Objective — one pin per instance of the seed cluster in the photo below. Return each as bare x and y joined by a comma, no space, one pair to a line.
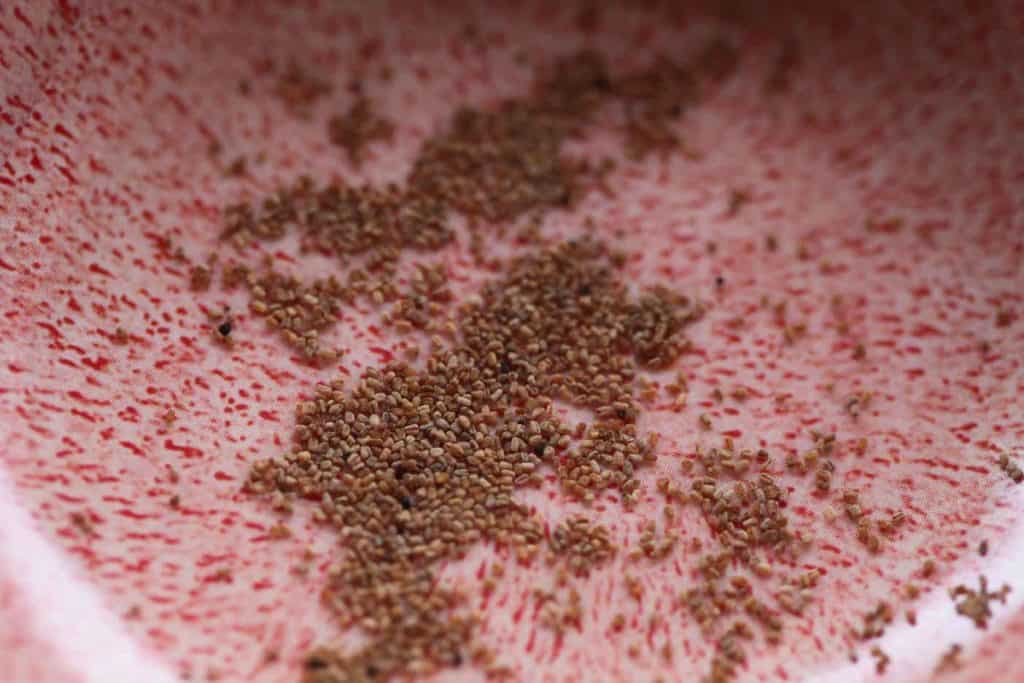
651,546
655,98
299,312
298,88
976,605
492,166
749,524
582,545
875,621
882,660
557,616
357,128
342,221
423,306
414,466
746,515
745,509
1010,468
199,278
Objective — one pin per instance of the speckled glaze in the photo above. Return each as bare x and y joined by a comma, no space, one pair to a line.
895,158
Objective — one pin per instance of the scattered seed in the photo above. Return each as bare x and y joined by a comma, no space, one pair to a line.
976,604
950,660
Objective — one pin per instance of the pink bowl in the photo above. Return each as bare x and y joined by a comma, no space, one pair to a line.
890,172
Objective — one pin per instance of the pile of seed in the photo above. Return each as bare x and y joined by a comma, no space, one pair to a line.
415,466
412,467
297,88
422,307
298,311
746,515
748,523
498,165
976,605
342,221
582,545
492,166
1010,468
489,165
654,98
357,128
558,617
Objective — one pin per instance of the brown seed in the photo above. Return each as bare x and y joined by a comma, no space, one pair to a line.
950,660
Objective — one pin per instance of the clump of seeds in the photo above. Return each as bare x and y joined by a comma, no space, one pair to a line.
299,88
976,605
413,467
357,128
492,166
582,545
1010,468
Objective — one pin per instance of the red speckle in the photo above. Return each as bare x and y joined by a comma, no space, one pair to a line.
20,16
131,514
186,451
68,12
133,448
532,640
68,498
99,364
208,559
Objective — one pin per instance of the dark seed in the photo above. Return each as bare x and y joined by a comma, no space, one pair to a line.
315,663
